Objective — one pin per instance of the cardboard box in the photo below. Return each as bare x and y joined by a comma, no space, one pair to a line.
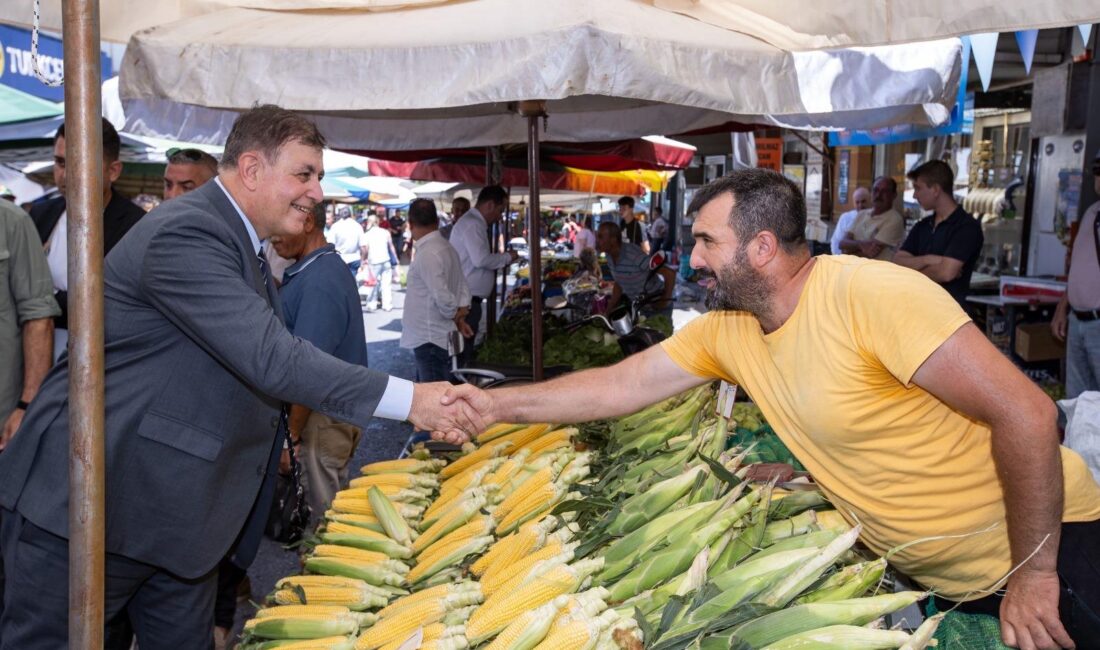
1034,342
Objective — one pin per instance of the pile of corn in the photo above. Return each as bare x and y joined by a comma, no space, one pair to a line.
525,543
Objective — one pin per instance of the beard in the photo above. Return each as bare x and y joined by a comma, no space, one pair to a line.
739,287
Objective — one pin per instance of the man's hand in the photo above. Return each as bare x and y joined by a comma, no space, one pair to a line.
1059,325
476,398
464,328
1029,612
870,248
14,420
451,420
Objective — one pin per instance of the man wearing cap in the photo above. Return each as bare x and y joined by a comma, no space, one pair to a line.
51,219
187,170
1077,318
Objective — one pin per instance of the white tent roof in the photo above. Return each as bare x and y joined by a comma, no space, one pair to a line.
788,24
447,75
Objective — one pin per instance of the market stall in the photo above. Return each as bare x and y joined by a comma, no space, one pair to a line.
641,532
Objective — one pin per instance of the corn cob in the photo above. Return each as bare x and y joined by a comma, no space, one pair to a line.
922,636
528,628
326,643
453,642
403,465
623,552
447,556
508,549
843,637
498,610
479,524
473,456
523,436
491,582
297,610
361,506
831,520
430,633
804,618
498,430
303,626
785,591
371,573
431,594
398,480
350,553
576,633
474,500
385,545
540,479
425,612
541,500
644,506
455,487
412,496
551,440
395,526
460,616
370,522
850,582
353,598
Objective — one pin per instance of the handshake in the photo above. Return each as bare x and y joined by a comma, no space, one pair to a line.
453,414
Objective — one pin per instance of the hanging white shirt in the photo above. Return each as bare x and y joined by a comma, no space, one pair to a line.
436,290
471,242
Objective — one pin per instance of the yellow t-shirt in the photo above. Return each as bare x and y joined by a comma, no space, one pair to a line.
834,383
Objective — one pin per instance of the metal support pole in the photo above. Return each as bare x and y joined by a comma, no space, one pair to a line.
533,110
84,202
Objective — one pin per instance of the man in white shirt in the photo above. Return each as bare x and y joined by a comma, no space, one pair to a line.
876,233
861,200
376,250
479,264
437,297
585,237
658,230
345,234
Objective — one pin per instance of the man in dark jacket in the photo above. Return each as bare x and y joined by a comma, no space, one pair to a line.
51,218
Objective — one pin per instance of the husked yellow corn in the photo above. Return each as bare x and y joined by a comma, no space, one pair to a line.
428,633
528,628
540,500
401,465
502,608
397,479
491,450
349,529
550,440
539,479
497,430
394,627
510,549
478,525
447,556
298,610
326,643
524,436
350,553
432,593
507,469
491,582
579,633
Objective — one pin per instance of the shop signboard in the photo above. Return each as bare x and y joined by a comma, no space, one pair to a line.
17,67
769,153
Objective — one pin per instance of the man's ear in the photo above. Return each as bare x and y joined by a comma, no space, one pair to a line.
250,168
112,171
763,248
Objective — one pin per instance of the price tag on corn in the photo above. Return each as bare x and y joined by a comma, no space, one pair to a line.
726,394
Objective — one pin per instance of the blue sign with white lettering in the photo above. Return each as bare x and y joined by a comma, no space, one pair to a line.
17,69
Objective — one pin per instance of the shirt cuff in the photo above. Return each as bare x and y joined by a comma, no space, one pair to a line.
396,400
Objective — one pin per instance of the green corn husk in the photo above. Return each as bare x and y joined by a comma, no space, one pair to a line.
447,576
387,546
794,503
472,500
804,618
303,628
783,528
815,539
787,589
621,554
842,637
643,507
329,643
677,557
370,573
922,636
850,582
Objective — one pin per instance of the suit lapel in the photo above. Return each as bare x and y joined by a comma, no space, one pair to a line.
227,212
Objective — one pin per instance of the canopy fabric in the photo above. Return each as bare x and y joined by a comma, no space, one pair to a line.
426,79
791,24
18,106
549,179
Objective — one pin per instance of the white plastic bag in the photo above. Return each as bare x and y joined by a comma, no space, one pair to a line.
1083,428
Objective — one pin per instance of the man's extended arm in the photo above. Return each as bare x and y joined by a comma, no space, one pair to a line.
628,386
970,375
37,359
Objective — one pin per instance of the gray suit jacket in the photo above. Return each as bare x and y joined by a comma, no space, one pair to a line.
197,365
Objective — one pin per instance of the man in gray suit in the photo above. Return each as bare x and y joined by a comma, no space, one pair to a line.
198,362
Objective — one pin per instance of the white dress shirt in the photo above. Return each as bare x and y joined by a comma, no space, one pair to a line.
843,225
470,240
436,290
397,399
345,237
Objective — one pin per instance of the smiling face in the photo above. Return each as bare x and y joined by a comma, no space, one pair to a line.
733,283
288,188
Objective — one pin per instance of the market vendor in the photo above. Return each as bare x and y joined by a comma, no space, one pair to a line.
894,401
636,273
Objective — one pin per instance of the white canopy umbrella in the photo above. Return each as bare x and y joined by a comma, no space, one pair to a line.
790,24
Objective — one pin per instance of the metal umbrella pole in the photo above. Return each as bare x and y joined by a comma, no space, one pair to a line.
84,202
533,110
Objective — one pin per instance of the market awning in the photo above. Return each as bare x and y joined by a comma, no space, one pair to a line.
608,70
18,106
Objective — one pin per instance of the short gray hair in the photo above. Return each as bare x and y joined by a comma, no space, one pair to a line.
266,128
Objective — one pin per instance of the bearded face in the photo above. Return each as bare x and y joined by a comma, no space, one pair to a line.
737,286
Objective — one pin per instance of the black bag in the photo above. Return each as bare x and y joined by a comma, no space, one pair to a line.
289,516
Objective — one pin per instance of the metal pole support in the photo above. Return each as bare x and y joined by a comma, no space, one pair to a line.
533,110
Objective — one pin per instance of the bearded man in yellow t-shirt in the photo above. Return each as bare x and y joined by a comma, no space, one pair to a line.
908,418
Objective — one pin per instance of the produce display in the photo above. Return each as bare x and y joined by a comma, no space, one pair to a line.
619,535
